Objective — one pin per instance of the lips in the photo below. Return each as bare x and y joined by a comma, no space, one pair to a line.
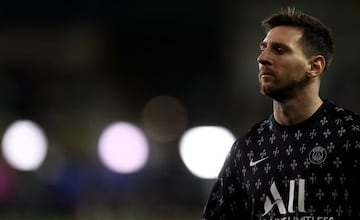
265,71
263,74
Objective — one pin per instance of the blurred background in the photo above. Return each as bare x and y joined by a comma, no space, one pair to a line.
87,85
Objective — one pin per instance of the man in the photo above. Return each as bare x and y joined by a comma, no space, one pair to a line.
301,163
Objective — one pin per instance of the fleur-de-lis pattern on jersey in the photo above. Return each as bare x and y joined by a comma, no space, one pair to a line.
309,170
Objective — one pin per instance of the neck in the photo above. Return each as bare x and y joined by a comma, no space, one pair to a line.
295,110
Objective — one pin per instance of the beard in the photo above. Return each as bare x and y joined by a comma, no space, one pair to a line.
281,91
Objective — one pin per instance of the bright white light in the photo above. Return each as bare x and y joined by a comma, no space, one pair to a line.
123,148
24,145
203,150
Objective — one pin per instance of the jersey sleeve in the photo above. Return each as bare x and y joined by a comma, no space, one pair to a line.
227,198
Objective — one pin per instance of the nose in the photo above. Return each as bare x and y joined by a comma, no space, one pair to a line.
263,58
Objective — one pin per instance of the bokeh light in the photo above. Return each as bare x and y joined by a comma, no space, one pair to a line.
123,147
203,150
164,118
24,145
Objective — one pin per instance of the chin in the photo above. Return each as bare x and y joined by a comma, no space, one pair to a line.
265,90
273,94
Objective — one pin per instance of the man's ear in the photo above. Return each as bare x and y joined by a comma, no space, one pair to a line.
316,66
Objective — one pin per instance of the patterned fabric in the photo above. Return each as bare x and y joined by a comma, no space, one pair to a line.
309,171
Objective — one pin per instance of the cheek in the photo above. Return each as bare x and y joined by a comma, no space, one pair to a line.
294,69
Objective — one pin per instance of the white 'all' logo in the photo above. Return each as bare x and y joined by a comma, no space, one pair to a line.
279,203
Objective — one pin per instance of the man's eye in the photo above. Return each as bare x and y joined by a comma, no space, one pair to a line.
279,50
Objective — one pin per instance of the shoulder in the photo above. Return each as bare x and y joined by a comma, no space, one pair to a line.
340,111
345,120
254,132
342,116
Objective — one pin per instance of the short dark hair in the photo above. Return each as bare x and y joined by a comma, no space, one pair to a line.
316,37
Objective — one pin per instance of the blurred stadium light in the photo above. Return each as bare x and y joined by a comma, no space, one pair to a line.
203,149
123,147
24,145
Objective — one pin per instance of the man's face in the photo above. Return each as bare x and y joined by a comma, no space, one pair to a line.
282,63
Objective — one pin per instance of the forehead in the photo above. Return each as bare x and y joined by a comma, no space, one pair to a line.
284,34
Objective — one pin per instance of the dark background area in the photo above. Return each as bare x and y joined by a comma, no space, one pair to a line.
74,66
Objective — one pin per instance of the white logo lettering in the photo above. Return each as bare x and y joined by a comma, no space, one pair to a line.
278,201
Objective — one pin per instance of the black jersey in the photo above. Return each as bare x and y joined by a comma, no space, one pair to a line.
309,171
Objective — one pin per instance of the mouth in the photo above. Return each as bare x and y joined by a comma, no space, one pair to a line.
265,74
